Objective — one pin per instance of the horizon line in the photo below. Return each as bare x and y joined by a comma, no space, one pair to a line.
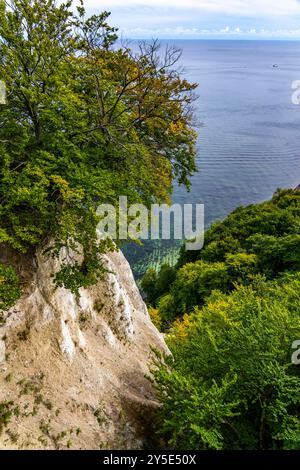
208,39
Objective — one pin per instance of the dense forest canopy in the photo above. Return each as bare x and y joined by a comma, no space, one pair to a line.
232,313
262,239
85,122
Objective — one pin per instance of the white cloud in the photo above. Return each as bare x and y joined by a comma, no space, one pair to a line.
194,33
229,7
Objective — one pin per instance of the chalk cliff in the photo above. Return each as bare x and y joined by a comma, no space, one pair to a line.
72,369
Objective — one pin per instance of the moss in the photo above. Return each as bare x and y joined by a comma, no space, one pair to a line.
6,413
100,414
9,288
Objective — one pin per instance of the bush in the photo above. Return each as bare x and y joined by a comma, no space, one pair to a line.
167,310
259,239
9,287
155,285
230,383
241,267
278,218
148,285
155,318
195,281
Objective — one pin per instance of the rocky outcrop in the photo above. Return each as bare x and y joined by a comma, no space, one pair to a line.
72,368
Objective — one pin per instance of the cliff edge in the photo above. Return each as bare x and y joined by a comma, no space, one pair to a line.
72,368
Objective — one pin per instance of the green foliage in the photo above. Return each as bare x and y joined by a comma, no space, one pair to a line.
241,267
195,281
165,279
262,239
167,309
148,284
84,123
9,287
6,414
276,254
255,229
156,284
155,318
230,383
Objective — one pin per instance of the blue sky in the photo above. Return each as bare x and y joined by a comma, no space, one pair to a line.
191,19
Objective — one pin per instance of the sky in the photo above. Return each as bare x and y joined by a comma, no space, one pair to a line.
202,19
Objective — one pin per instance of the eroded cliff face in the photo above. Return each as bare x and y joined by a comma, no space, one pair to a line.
72,370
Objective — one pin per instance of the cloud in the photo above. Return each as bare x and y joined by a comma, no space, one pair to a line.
236,19
194,33
248,8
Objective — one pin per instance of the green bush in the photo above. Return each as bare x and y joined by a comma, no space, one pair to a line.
241,267
230,383
278,218
195,281
9,287
167,309
259,239
155,285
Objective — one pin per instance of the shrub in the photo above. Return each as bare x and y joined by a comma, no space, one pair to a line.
230,383
256,240
9,287
155,318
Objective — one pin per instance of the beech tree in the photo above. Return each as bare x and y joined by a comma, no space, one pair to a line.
85,122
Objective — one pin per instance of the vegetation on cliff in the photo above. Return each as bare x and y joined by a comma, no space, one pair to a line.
85,122
260,239
232,315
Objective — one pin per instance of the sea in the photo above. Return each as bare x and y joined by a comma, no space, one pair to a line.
248,131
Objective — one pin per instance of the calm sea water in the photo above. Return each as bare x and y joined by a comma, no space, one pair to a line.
249,130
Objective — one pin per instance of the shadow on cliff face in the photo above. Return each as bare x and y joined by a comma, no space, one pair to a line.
140,407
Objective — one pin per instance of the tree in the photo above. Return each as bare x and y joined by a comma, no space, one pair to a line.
84,124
